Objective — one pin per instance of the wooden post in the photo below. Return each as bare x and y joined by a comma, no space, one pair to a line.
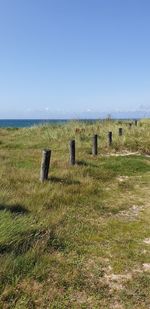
109,138
130,125
72,152
120,132
46,155
95,145
136,122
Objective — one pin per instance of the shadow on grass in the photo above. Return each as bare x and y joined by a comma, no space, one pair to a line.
27,240
84,163
64,180
14,209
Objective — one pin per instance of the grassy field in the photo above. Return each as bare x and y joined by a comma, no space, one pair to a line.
81,239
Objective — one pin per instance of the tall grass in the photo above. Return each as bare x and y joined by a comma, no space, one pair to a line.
76,241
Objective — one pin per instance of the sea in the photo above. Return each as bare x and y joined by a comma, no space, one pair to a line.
24,123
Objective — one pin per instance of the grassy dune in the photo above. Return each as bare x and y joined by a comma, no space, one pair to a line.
81,239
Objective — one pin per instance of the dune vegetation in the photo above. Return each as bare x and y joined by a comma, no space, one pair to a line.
82,238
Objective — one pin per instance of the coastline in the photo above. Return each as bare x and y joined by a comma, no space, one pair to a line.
25,123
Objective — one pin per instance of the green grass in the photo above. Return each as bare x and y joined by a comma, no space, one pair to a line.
76,241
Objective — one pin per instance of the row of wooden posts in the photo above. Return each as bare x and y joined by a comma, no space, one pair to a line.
46,153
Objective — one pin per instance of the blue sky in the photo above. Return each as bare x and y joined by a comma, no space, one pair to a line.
73,56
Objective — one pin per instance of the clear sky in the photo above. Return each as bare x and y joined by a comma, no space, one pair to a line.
62,56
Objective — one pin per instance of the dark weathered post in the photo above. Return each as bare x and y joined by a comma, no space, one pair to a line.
120,132
109,138
136,122
95,145
72,152
130,125
46,155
